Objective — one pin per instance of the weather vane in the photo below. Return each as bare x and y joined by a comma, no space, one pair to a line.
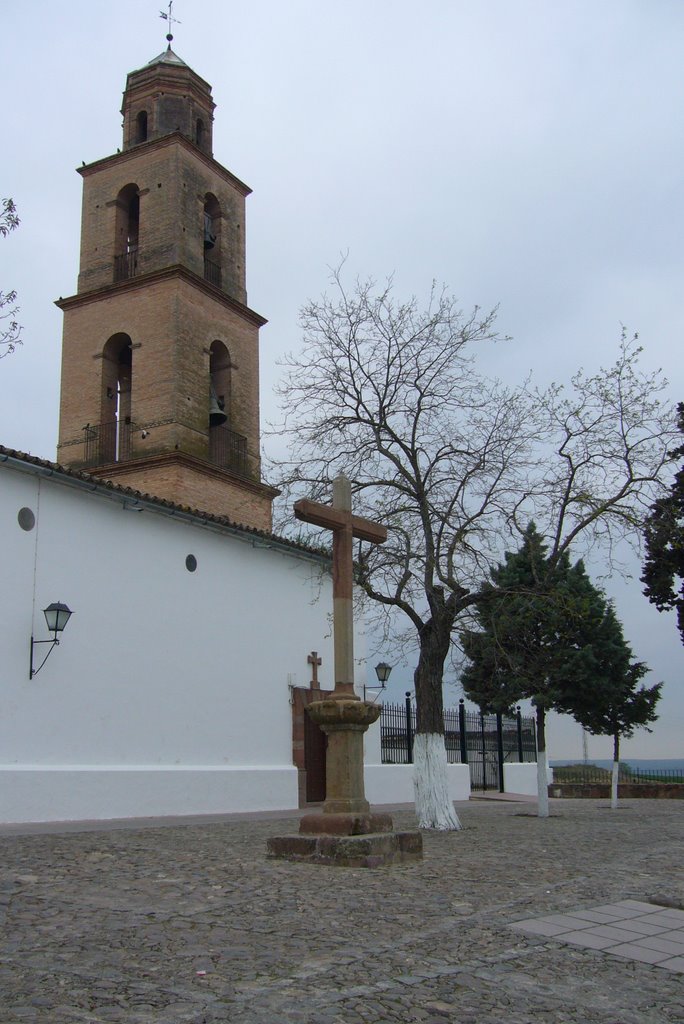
171,20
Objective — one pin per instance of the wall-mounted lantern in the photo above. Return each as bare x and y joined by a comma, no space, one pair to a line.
56,615
382,671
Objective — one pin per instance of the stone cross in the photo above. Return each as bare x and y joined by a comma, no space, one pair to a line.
315,662
345,526
347,831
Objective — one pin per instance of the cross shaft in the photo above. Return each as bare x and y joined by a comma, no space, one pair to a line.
345,527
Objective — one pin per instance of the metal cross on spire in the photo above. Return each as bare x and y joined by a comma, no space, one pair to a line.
171,20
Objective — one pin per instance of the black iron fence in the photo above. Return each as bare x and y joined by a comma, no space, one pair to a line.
212,272
111,442
228,450
107,442
484,742
126,264
593,773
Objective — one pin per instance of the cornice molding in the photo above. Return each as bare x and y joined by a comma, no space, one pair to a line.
155,276
152,145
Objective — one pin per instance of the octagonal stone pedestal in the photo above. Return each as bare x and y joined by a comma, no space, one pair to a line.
346,833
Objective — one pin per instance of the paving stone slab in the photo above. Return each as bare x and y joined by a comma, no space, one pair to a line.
644,933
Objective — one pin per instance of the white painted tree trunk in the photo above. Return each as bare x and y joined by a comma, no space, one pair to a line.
614,785
434,807
542,786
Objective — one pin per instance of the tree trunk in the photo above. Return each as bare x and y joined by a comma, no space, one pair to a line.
434,807
616,772
542,774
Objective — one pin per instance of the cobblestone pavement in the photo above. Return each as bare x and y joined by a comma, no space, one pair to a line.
191,924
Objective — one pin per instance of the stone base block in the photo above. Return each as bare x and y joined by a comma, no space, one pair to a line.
372,850
345,824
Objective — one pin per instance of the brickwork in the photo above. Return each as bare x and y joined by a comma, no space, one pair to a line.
171,324
173,180
196,485
173,97
149,308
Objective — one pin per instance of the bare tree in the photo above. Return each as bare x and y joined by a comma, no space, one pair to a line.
10,329
387,392
602,457
451,462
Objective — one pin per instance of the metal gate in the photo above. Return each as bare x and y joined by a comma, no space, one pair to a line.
482,747
484,742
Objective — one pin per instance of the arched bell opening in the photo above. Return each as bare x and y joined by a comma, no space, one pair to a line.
219,384
212,239
127,233
141,127
227,448
114,429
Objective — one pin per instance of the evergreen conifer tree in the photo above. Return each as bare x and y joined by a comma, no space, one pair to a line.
608,700
664,534
537,620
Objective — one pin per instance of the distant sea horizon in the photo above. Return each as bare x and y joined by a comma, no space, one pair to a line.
662,764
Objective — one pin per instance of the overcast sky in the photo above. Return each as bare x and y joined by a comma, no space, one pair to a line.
527,153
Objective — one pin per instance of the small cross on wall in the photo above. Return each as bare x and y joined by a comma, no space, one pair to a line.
314,661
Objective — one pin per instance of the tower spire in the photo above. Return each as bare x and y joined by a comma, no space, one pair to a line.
168,16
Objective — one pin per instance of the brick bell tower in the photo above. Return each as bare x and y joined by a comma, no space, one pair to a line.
160,358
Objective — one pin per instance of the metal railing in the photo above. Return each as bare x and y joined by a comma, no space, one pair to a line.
588,774
107,442
212,272
111,442
484,742
228,450
126,265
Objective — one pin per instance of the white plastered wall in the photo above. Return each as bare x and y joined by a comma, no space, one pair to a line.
169,691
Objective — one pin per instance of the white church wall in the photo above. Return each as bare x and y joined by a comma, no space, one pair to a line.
84,792
160,671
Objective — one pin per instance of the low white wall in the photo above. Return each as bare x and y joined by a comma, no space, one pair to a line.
393,783
77,792
372,750
522,778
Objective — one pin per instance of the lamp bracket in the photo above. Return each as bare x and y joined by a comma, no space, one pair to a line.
54,642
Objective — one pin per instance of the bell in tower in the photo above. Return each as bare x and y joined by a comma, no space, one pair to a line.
217,409
209,237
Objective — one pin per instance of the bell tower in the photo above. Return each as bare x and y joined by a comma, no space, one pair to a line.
160,355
